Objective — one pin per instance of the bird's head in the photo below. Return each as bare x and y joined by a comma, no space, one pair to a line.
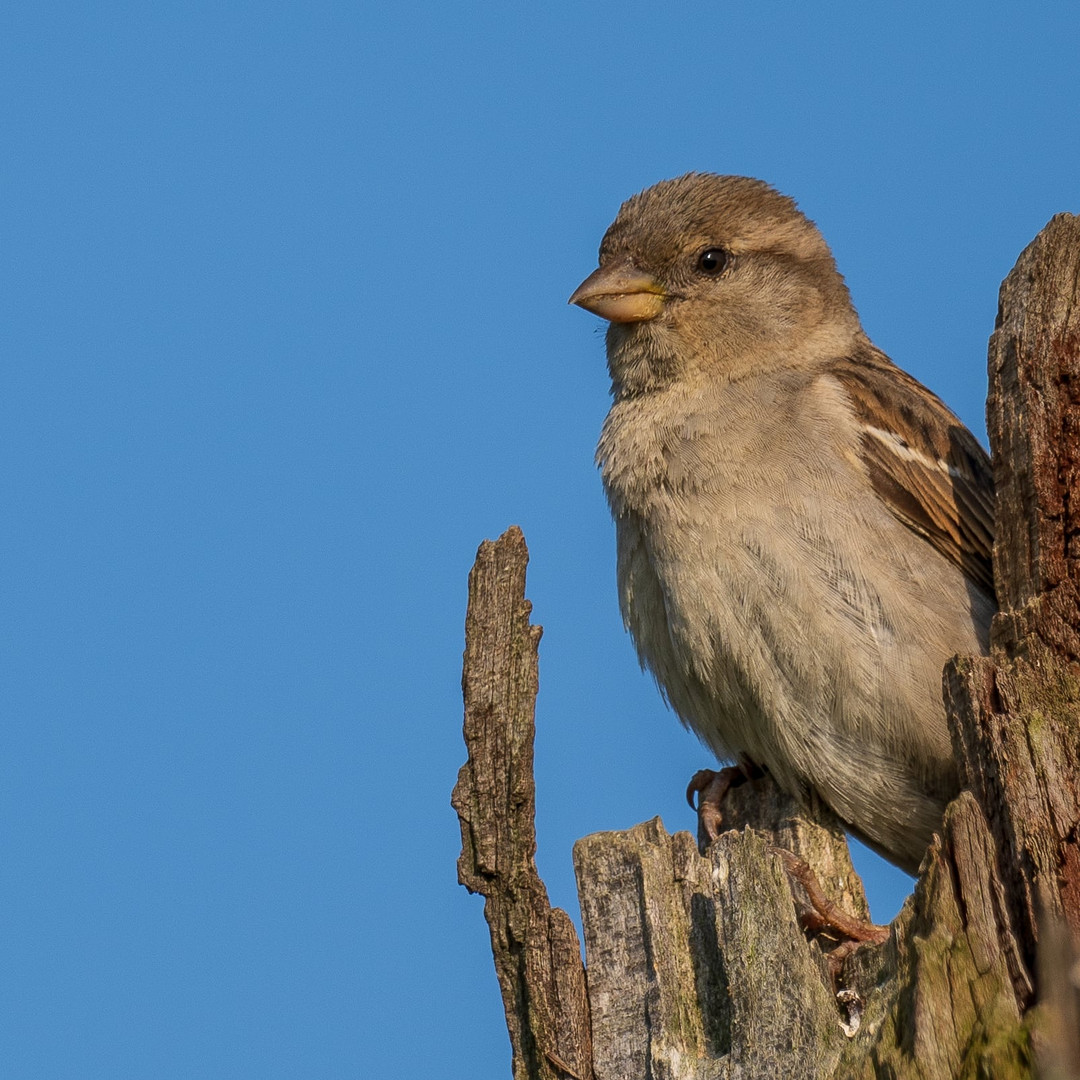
715,275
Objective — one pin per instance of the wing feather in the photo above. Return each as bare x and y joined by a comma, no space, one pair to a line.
924,464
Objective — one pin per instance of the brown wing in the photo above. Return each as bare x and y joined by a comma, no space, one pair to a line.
926,466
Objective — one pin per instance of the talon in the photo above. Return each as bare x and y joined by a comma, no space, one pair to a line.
711,787
698,783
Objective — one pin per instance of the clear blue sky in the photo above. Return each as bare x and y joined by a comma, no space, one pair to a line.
286,336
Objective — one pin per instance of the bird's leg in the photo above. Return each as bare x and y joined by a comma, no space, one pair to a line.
711,787
822,916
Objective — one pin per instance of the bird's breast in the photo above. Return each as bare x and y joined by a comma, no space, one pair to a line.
774,628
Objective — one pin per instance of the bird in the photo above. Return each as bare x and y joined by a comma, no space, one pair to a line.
803,530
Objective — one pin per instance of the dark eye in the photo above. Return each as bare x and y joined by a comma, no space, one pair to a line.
712,261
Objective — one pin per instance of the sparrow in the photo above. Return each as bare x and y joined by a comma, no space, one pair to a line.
803,530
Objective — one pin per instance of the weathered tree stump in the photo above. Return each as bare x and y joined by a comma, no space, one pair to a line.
696,966
1016,728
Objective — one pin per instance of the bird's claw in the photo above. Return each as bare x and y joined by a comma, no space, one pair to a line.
710,787
698,783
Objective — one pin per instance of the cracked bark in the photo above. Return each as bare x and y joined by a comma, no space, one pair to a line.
697,967
535,946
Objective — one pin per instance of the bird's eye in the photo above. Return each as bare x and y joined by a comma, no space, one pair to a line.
712,261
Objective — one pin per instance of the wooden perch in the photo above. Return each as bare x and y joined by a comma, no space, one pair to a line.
537,956
696,964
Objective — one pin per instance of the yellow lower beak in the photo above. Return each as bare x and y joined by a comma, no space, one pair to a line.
620,293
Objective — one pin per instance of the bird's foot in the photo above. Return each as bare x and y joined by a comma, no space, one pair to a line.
710,787
821,916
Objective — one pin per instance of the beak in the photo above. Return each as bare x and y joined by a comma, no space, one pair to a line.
620,293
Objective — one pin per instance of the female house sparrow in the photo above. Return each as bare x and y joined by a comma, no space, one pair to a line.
803,529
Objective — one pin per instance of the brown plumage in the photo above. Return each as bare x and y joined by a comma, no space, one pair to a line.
803,529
